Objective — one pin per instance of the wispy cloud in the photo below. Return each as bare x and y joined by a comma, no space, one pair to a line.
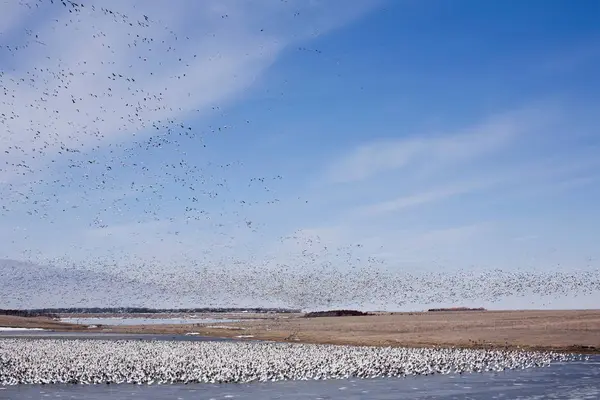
84,79
83,93
74,83
436,150
414,200
528,178
401,197
12,11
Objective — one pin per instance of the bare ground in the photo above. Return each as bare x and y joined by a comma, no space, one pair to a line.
37,322
571,330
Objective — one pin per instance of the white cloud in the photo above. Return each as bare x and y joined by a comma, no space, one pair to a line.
231,44
90,78
525,179
414,200
192,55
436,151
11,15
503,170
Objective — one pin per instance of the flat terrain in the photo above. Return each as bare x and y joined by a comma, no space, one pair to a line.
37,322
208,315
542,330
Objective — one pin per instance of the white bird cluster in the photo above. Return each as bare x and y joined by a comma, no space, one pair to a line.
25,361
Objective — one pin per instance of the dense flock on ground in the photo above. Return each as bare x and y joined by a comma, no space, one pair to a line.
144,362
75,131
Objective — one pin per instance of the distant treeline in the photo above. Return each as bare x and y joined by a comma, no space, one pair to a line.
335,313
144,310
27,313
457,309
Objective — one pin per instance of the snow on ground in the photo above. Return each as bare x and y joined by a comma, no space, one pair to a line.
6,328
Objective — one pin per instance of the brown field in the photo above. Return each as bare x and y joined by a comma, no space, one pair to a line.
537,330
37,322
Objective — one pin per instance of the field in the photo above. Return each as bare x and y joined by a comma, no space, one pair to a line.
37,322
574,330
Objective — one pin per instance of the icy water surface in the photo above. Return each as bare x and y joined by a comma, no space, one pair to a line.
572,380
107,336
144,321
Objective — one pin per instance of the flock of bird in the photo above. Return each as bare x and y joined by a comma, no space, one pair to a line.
63,112
75,138
315,286
165,362
104,131
98,136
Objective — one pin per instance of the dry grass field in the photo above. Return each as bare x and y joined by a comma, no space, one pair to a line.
543,330
559,330
37,322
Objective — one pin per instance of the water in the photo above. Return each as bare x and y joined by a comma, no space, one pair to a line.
105,336
144,321
572,380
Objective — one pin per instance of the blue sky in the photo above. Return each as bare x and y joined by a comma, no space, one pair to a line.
426,135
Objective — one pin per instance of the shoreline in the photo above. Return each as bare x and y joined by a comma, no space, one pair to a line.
565,331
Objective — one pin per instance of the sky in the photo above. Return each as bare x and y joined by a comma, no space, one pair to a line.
402,136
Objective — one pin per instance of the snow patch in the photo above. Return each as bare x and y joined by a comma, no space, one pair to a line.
11,329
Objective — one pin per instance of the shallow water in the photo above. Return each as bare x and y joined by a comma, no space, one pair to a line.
106,336
144,321
572,380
